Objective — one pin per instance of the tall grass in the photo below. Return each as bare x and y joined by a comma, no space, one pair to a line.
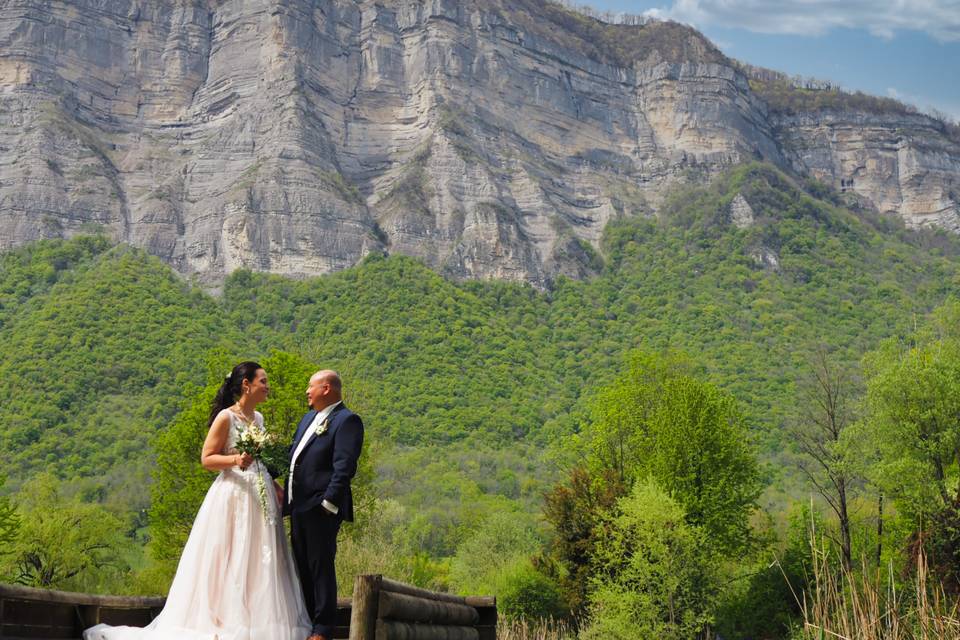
534,630
846,605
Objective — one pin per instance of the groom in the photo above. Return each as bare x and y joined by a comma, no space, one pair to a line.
317,495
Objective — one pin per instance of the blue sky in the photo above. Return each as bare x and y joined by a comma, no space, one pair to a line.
906,49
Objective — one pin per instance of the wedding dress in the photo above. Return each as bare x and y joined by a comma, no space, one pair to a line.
236,578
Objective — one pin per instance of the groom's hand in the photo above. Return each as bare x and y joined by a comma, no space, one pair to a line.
279,490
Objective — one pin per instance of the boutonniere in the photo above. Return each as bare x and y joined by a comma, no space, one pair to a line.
321,428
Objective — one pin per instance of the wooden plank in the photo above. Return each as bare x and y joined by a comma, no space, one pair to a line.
40,631
88,615
39,613
363,615
393,630
488,616
344,610
29,594
410,590
125,617
481,602
487,633
399,606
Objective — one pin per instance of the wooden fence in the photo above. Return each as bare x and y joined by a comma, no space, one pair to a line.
385,610
39,613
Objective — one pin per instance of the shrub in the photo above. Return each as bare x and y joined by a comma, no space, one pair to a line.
525,593
655,575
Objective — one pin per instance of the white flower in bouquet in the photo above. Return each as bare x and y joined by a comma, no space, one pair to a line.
253,440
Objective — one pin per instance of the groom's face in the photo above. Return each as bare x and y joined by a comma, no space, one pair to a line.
318,391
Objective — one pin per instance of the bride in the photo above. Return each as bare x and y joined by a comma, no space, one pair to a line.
235,580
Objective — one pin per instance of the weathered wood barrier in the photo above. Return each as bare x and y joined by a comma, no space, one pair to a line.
385,610
39,613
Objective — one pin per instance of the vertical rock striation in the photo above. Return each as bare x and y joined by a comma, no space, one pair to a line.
491,138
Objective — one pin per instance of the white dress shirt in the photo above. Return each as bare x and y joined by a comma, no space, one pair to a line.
308,434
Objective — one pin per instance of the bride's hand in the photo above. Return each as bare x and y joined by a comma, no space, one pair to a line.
244,460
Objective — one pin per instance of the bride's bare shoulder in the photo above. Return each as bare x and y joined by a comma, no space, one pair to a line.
225,417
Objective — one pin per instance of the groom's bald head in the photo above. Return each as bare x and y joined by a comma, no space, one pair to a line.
324,389
329,376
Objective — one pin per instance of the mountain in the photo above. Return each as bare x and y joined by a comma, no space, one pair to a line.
460,382
488,138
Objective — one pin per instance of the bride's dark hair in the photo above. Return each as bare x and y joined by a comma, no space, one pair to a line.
232,387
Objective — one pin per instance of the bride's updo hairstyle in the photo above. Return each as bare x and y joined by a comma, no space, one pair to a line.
232,387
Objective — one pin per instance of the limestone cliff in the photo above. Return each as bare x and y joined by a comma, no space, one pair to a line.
492,138
896,163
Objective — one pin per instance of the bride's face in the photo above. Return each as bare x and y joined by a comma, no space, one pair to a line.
258,388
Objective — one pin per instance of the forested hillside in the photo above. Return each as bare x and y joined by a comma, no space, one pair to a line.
471,391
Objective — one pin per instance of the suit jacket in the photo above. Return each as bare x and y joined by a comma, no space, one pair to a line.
327,463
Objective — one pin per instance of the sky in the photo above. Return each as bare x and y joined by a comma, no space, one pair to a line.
904,49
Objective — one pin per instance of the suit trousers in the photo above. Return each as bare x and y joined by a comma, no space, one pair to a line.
313,536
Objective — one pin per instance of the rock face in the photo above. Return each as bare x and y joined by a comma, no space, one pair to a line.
898,164
741,213
492,138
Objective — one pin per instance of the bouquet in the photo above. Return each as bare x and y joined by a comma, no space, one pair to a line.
265,450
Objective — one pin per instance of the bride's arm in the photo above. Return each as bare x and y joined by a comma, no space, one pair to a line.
211,458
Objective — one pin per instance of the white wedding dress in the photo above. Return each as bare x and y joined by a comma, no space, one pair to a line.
236,578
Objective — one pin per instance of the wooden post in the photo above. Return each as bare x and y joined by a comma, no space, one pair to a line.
487,608
88,615
366,601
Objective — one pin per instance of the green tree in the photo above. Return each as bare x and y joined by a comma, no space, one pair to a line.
702,456
64,543
9,522
619,437
912,411
826,398
574,510
659,420
655,575
911,427
524,592
501,540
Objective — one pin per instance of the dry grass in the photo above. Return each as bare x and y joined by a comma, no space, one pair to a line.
535,630
848,605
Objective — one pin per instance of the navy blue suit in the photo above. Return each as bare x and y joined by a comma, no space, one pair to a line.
323,471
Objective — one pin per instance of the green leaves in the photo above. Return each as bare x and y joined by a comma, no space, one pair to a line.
913,415
9,522
659,421
471,391
702,456
655,575
63,543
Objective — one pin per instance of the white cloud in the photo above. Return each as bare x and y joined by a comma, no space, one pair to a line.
883,18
